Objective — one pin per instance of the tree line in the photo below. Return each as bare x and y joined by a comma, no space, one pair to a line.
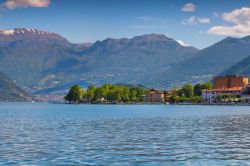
189,93
123,93
107,92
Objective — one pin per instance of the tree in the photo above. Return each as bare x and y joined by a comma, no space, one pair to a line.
90,92
125,94
207,85
111,95
180,93
188,90
99,93
196,99
133,94
75,94
198,89
117,96
106,88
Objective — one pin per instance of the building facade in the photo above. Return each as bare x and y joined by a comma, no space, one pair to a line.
154,96
229,85
246,94
210,95
231,81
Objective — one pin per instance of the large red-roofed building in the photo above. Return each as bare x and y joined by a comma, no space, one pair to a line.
232,85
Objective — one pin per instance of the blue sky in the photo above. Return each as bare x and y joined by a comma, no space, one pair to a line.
197,23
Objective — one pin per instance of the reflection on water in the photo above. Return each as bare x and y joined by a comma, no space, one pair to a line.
44,134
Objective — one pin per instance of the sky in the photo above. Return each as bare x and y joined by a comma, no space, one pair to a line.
198,23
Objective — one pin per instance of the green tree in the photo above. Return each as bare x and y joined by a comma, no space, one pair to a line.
75,94
140,92
114,93
207,85
99,93
196,99
90,92
125,93
133,95
198,89
188,90
111,95
117,96
180,93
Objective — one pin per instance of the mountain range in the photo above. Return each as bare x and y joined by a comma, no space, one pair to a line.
209,62
45,62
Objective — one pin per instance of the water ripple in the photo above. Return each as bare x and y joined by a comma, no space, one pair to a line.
49,138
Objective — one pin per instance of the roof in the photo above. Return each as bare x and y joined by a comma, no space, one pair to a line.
156,92
232,76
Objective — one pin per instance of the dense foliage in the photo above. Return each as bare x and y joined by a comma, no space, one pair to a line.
107,92
75,94
226,98
124,93
189,93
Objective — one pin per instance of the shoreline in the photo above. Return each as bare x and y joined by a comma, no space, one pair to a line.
201,104
142,103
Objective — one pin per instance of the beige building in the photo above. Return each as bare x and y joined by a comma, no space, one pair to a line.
154,96
210,95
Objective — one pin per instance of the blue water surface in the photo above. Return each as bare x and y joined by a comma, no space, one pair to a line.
59,134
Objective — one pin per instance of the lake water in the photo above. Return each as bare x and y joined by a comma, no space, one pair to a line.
50,134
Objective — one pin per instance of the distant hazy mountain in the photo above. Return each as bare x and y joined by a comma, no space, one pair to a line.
132,61
150,51
10,92
207,63
240,68
41,61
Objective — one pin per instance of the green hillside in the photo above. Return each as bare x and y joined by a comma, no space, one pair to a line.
240,68
10,92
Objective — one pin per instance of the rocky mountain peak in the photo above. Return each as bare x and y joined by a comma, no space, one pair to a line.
29,34
23,31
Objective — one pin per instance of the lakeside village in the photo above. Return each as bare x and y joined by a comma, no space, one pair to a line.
231,89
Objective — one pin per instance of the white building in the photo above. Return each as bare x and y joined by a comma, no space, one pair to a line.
210,95
246,94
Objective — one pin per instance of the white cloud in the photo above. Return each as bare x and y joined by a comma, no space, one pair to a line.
12,4
241,20
189,7
195,20
203,20
182,43
238,16
189,21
